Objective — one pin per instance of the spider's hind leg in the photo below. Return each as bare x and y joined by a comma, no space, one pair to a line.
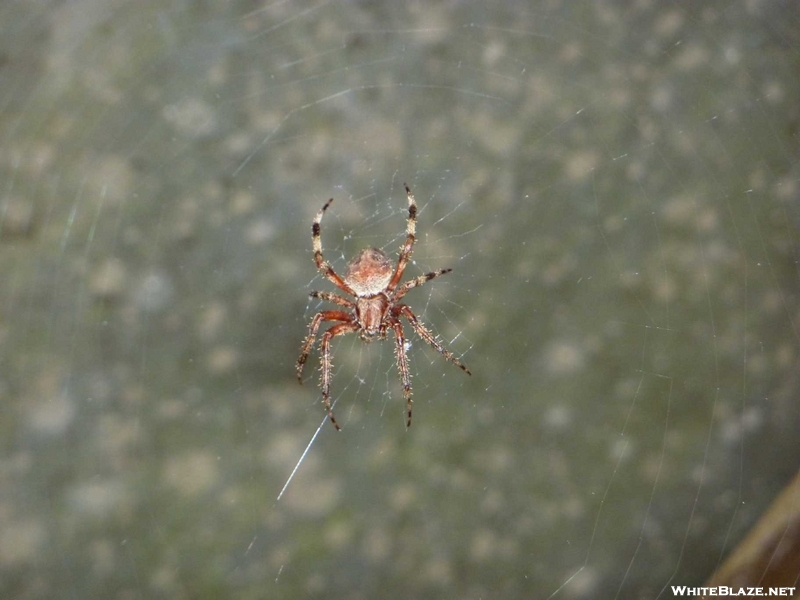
325,315
402,364
402,309
340,329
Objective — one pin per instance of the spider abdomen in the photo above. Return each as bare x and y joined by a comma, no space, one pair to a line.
369,272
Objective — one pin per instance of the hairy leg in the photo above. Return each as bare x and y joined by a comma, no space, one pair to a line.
340,329
326,315
402,364
412,283
408,246
324,267
336,299
426,335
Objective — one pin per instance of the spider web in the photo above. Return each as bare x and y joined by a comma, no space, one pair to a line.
615,186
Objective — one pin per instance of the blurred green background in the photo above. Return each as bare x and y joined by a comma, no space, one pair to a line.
615,185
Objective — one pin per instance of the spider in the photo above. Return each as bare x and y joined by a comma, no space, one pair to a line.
373,282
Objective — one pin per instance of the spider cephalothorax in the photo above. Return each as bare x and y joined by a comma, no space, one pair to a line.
373,282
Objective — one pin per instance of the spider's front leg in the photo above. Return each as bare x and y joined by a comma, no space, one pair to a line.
322,265
418,281
408,246
325,315
340,329
328,297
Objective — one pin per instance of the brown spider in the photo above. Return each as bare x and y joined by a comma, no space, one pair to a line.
371,279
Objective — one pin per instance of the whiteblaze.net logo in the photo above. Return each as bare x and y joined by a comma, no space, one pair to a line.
730,592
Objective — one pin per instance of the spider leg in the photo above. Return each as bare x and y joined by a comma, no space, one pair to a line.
340,329
324,267
336,299
402,364
326,315
404,310
408,246
412,283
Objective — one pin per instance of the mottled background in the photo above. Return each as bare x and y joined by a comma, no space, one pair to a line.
615,184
